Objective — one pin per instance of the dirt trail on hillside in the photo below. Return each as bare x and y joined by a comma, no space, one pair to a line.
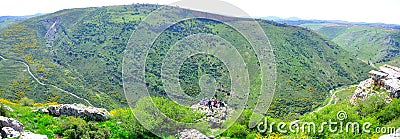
333,97
44,84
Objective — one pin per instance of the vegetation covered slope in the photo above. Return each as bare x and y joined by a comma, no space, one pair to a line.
381,116
81,50
308,64
373,44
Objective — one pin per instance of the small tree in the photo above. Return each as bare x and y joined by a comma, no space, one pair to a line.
27,101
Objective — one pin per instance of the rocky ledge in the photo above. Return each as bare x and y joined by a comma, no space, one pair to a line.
79,110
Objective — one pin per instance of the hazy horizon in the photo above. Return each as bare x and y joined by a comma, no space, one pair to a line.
368,11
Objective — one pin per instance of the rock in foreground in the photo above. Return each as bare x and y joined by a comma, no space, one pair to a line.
30,135
11,128
8,132
10,122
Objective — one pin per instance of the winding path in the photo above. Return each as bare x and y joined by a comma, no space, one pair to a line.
3,58
30,73
368,63
333,96
44,84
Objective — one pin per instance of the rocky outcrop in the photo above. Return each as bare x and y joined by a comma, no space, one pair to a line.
192,134
363,91
215,117
395,135
79,110
219,113
388,78
10,122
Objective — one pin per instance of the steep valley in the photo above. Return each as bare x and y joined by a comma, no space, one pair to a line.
81,51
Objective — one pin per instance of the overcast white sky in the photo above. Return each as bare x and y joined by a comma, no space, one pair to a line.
384,11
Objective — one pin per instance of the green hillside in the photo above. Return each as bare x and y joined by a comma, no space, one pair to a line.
373,44
81,50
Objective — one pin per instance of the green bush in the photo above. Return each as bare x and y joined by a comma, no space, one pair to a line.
123,125
372,104
77,128
236,130
390,112
154,122
27,101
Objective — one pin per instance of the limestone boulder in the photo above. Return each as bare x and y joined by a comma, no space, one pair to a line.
10,122
79,110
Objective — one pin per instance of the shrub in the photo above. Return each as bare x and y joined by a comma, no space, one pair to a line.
3,111
372,104
77,128
27,101
124,125
390,112
236,130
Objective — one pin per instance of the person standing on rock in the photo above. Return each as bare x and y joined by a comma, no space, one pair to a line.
210,105
215,101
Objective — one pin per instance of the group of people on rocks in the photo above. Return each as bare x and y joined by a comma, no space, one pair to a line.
213,102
